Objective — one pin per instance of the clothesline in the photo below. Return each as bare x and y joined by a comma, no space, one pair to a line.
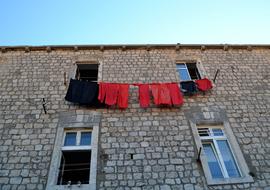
139,83
163,94
167,93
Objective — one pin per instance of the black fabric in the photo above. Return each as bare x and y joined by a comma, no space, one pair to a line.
82,92
188,87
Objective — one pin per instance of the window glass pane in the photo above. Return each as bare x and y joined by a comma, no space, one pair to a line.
217,132
212,160
227,156
184,75
70,139
85,138
181,66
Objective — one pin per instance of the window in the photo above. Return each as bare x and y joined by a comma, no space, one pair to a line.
75,159
188,71
220,155
83,86
87,72
220,158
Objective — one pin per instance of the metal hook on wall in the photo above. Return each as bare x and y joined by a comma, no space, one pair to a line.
214,80
44,105
65,78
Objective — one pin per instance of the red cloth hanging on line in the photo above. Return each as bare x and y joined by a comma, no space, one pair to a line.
164,95
167,94
108,92
122,101
112,93
155,93
176,95
102,91
204,84
144,96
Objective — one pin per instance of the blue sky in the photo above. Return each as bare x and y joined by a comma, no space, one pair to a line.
67,22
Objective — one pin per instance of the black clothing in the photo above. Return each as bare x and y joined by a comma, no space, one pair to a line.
188,87
82,92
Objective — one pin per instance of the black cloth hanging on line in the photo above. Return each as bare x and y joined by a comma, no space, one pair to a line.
188,87
82,92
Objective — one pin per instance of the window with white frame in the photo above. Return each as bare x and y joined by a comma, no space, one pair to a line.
188,71
220,158
219,154
74,160
75,157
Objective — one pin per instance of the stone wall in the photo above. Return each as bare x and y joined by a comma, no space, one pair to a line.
160,140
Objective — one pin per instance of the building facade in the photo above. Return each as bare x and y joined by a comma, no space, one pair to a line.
218,139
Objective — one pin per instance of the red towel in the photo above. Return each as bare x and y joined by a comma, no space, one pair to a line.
111,94
144,96
204,84
122,101
161,94
102,91
108,93
164,94
176,95
155,92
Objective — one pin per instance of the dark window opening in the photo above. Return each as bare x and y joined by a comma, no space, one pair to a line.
87,72
193,71
74,167
203,132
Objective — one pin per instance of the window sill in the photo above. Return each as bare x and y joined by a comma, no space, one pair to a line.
72,187
192,80
247,179
79,147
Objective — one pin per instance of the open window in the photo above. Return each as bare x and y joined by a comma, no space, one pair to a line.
188,71
75,158
220,155
220,158
87,72
74,161
83,87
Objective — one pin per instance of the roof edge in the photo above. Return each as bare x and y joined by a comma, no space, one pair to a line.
135,46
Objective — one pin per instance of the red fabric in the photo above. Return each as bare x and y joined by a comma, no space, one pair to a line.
161,94
111,94
102,91
176,96
144,96
204,84
108,93
155,93
122,101
164,94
